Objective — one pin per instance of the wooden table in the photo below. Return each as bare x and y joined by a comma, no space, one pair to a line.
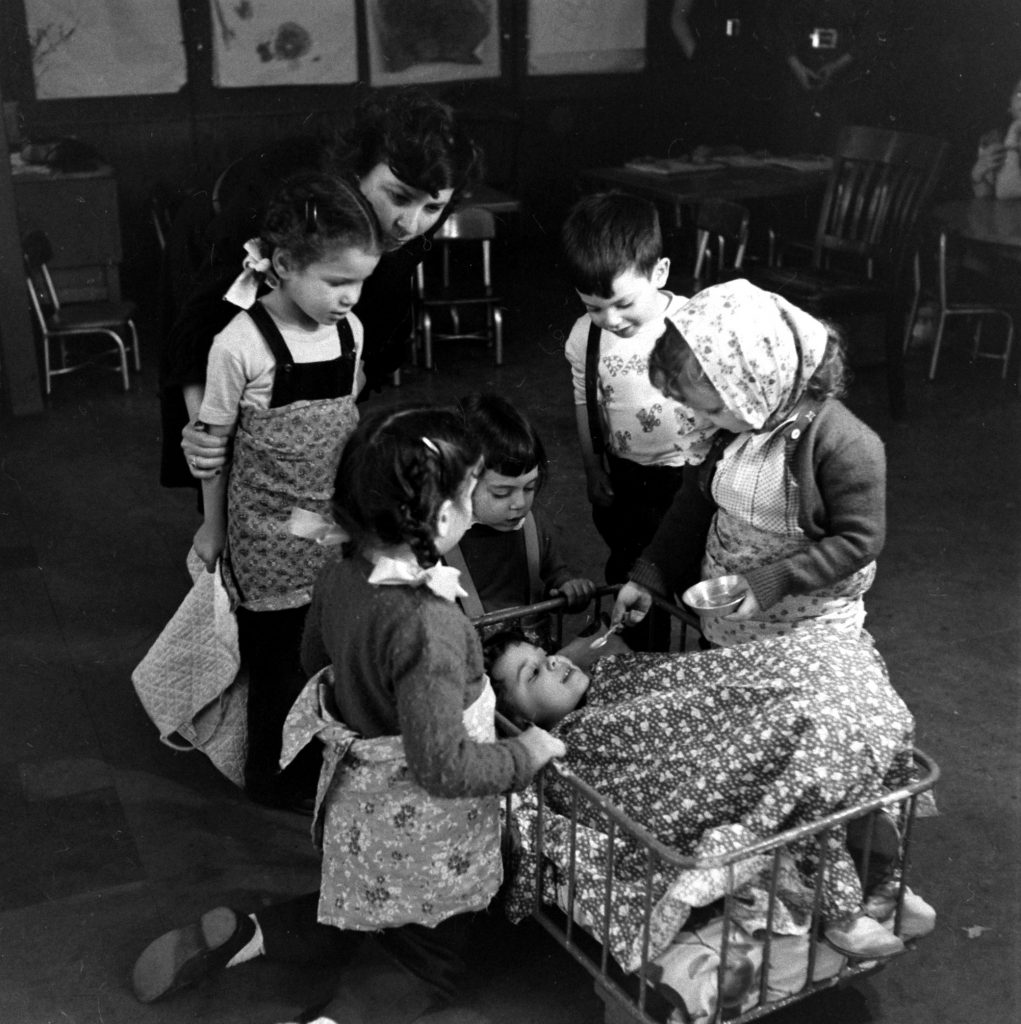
675,192
990,221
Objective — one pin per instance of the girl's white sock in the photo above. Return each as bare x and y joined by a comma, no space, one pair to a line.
251,949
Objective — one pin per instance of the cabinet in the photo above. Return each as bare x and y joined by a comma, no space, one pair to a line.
78,211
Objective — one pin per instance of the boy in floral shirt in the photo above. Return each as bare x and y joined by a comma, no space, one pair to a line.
634,442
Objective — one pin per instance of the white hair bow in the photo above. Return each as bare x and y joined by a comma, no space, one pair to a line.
443,580
257,269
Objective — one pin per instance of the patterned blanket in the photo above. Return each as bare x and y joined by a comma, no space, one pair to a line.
710,751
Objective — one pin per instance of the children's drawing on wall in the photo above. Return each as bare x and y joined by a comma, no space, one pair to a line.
583,37
432,40
283,42
104,47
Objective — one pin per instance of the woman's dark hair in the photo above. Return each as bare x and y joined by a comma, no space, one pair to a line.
673,364
416,136
510,444
312,213
606,235
396,471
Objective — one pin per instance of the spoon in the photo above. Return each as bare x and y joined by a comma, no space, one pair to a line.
600,641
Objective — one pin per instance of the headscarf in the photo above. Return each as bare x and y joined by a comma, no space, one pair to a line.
756,349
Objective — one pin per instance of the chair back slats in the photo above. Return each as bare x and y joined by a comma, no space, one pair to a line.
875,195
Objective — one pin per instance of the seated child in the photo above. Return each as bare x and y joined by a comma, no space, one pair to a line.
733,743
509,557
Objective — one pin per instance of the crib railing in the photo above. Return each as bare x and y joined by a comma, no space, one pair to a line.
635,997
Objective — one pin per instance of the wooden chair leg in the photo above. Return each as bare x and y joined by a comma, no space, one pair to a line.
498,334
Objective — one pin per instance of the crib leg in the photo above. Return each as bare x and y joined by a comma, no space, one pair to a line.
614,1013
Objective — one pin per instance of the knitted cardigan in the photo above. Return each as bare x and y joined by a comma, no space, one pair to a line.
839,467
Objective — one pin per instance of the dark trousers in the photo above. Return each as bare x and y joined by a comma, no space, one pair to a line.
270,646
434,956
641,497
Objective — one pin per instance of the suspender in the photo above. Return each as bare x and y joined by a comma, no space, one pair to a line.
342,368
472,604
595,426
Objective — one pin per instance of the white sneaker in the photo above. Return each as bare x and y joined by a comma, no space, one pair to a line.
917,918
863,938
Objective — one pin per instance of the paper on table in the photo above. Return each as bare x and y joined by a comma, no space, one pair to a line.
802,163
670,165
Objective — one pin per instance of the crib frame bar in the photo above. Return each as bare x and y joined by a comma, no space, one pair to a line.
624,1005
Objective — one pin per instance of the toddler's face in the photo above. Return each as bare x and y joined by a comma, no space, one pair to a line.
542,687
502,502
636,300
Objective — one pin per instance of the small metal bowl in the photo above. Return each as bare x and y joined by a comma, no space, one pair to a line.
719,596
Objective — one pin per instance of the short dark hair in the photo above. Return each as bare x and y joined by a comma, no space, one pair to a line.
510,444
416,136
493,649
607,234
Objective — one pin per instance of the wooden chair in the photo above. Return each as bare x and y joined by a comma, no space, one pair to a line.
59,322
877,190
959,290
455,279
721,238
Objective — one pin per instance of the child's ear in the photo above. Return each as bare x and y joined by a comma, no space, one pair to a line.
443,519
661,271
283,263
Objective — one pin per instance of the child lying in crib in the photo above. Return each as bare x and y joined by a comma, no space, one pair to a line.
713,749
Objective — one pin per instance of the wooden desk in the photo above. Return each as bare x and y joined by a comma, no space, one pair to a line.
991,221
675,192
79,213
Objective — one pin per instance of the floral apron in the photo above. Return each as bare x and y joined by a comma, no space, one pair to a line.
747,533
392,853
286,456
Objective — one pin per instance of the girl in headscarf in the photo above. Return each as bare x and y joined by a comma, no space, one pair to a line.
792,495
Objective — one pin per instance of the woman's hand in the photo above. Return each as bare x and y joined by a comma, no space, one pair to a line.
205,453
632,604
541,746
576,592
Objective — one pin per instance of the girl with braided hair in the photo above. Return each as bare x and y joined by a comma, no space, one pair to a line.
407,813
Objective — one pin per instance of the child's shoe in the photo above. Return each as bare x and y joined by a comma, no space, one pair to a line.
917,918
862,938
186,955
